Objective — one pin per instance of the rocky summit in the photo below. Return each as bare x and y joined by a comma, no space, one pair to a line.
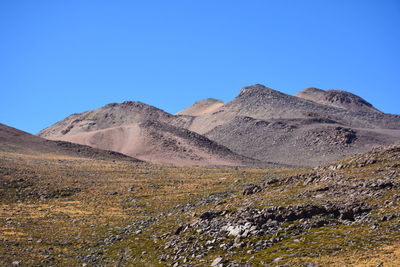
266,179
337,98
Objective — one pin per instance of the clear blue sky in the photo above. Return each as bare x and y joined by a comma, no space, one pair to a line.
63,57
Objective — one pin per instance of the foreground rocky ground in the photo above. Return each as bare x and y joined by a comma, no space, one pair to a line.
60,210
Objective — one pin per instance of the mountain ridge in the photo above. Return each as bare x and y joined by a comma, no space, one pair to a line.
280,126
128,128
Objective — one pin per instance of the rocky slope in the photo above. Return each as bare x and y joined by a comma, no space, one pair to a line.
302,142
316,206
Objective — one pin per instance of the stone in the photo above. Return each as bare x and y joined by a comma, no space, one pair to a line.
180,229
251,189
234,230
217,261
209,215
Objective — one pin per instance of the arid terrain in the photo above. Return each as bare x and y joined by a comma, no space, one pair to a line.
266,179
62,208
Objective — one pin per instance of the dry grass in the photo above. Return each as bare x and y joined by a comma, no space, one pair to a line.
388,256
40,226
111,195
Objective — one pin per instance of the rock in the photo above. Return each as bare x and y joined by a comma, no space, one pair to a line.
233,230
180,229
322,189
251,189
319,223
209,215
347,215
270,181
217,262
389,217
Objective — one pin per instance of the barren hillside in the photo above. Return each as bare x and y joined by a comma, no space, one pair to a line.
142,131
17,141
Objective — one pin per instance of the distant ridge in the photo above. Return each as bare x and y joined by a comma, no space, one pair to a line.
260,102
261,124
142,131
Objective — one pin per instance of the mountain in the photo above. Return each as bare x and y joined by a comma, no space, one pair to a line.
307,129
202,107
144,132
260,102
266,124
111,115
337,98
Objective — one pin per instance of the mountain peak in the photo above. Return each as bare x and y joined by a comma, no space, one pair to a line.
257,89
127,104
111,115
336,98
211,100
311,90
334,95
202,107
